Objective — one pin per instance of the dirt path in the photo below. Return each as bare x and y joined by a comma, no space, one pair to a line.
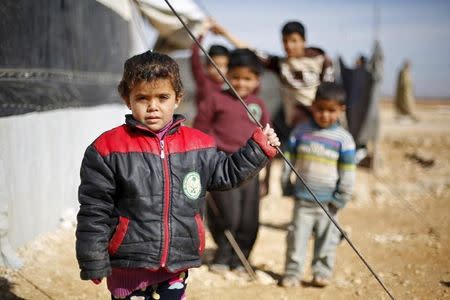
398,220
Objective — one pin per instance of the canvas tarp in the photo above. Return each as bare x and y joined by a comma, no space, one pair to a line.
362,88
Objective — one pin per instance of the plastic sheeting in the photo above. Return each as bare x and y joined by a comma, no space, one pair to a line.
57,54
362,89
41,164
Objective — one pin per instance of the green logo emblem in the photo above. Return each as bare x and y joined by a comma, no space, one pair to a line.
256,111
192,185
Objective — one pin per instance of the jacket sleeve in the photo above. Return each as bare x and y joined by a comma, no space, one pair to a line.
270,62
198,70
230,171
96,197
346,171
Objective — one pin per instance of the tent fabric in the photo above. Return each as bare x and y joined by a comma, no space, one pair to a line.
58,54
172,36
362,86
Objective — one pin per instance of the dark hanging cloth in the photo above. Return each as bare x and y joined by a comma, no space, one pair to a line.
58,54
362,88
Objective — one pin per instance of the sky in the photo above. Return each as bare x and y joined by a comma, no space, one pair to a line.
414,30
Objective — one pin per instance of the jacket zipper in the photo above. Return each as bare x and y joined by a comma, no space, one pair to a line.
166,202
161,144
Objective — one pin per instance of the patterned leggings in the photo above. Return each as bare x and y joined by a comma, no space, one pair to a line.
172,289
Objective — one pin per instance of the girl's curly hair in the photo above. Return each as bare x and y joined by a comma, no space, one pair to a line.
149,66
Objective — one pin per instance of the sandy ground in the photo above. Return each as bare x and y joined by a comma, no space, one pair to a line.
398,219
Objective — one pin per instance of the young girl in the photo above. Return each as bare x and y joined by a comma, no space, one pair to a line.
143,186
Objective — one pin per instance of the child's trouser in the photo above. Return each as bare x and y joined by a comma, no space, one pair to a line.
239,213
172,289
309,219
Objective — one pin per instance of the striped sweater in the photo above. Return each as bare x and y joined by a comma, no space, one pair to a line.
324,157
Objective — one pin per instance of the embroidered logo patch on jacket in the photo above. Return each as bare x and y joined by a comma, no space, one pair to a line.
256,111
192,185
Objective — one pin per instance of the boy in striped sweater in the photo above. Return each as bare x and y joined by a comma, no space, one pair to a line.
323,153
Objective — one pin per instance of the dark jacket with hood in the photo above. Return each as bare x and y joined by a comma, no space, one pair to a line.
141,197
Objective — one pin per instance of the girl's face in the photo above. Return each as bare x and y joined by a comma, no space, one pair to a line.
153,103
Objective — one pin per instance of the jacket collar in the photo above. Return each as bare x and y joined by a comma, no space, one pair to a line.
133,123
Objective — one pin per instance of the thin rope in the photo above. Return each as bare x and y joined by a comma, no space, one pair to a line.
421,217
35,286
282,155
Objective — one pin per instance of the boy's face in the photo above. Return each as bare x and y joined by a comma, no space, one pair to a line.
222,62
294,45
244,80
153,103
326,112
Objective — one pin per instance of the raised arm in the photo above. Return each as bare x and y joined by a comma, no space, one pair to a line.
205,115
197,67
220,30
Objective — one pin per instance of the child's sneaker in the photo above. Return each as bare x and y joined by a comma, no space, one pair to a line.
219,268
241,272
289,281
320,281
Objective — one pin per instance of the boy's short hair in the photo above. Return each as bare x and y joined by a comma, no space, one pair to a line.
218,50
331,91
294,27
244,57
149,66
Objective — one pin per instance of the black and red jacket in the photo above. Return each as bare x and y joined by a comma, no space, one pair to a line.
141,197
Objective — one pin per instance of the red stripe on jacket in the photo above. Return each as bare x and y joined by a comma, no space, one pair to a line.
125,139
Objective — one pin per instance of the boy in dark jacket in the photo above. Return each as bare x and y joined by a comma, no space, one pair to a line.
143,186
223,116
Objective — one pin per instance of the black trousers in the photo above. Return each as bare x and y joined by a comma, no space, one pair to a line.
239,213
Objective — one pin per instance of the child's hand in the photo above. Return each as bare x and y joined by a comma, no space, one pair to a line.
272,138
206,26
217,28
